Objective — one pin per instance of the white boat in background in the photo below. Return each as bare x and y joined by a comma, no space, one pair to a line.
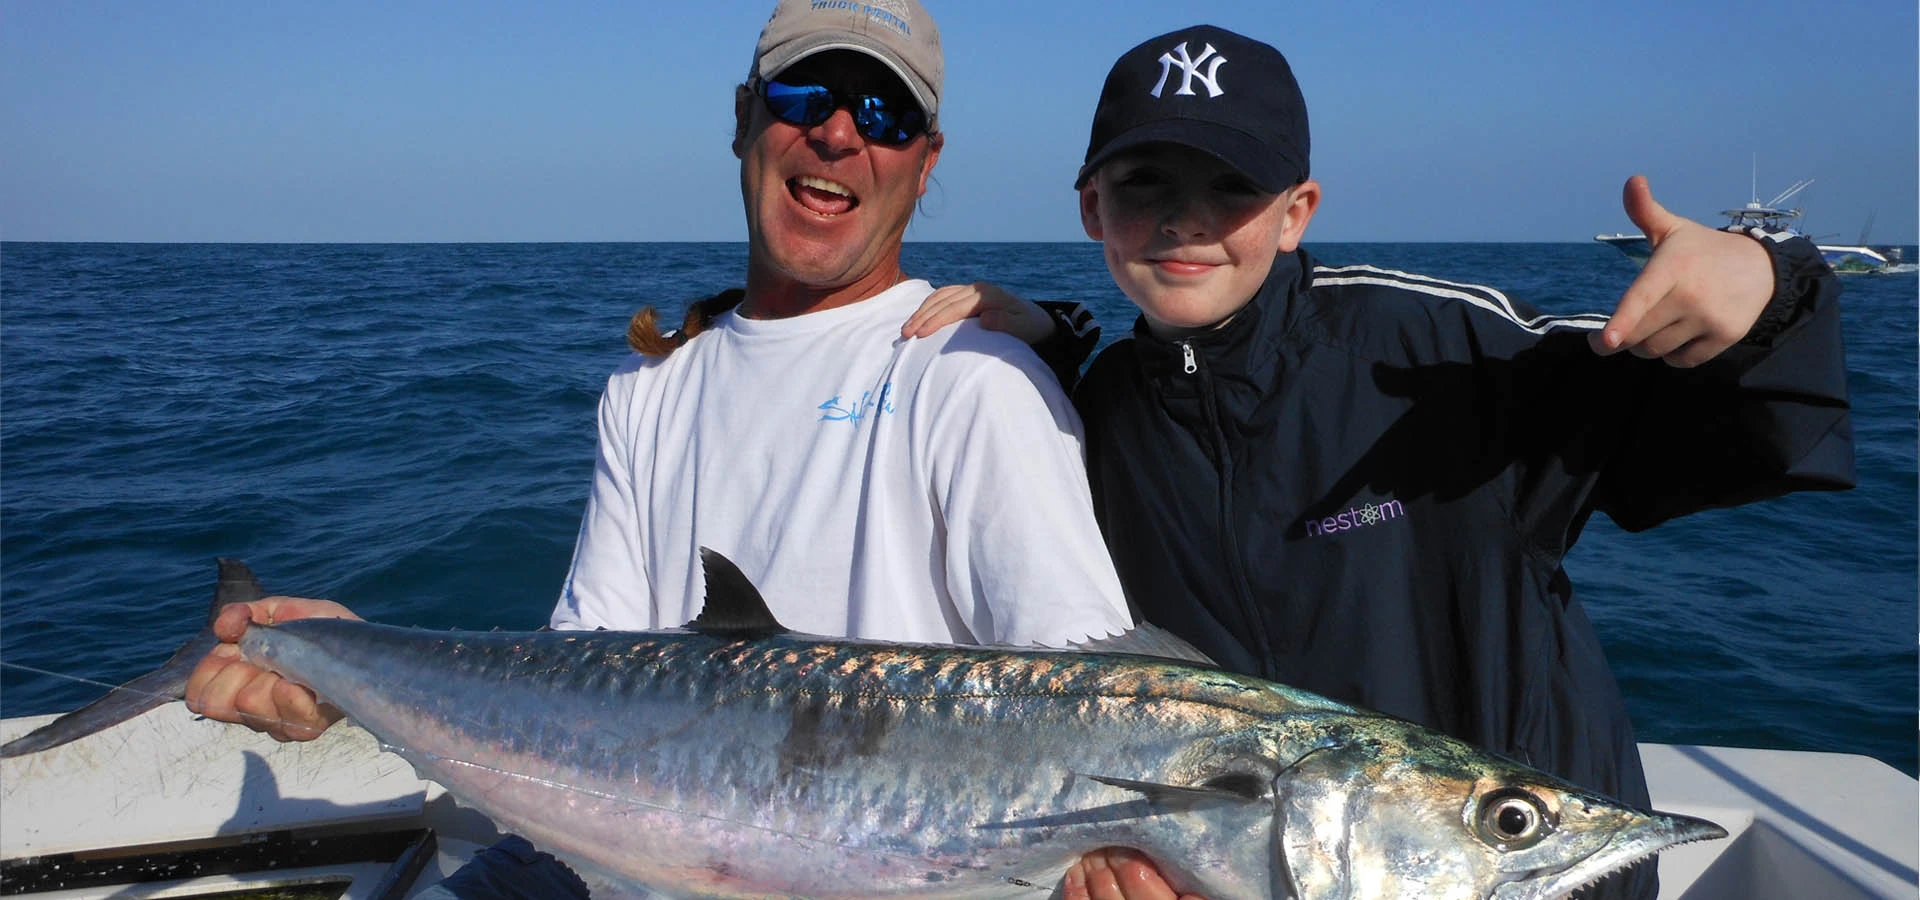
1844,258
1860,258
170,805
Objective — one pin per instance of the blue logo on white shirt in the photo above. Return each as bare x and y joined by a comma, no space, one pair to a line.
868,405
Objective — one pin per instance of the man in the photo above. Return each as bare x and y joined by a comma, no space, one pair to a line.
871,486
799,434
837,464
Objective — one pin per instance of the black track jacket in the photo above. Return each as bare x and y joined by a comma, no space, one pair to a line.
1364,484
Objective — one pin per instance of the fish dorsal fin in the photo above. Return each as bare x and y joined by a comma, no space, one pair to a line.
733,606
1148,640
236,585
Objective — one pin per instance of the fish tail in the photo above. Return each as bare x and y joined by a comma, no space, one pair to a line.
163,685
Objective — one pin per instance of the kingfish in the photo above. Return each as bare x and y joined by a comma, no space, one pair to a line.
735,759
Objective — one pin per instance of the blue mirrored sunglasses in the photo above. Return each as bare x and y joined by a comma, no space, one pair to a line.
882,120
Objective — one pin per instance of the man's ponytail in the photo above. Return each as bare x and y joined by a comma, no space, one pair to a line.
643,331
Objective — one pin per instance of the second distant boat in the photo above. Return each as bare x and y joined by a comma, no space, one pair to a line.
1845,258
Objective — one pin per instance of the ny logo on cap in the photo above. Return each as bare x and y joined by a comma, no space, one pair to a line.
1190,69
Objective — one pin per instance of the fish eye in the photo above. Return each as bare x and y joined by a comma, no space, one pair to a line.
1512,819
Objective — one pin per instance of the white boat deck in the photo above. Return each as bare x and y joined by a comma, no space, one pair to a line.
1803,825
1828,825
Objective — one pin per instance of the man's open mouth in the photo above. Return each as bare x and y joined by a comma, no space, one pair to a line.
818,195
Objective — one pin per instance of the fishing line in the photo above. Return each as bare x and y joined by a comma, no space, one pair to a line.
402,751
74,678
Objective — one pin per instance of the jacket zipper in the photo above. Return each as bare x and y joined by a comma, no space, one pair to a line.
1236,567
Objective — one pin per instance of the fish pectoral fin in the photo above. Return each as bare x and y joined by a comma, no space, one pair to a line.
733,606
1219,790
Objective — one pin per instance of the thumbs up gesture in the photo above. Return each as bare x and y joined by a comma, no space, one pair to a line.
1701,291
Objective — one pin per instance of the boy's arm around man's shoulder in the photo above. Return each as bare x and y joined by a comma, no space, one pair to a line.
1062,332
1075,334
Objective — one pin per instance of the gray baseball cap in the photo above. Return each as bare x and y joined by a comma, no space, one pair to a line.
898,33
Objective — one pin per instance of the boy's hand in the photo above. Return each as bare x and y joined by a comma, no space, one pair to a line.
227,688
997,310
1700,292
1116,874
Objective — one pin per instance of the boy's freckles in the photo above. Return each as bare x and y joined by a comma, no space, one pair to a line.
1188,238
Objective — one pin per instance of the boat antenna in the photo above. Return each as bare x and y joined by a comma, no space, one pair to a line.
1867,229
1797,187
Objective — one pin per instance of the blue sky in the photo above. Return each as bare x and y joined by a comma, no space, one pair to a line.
476,121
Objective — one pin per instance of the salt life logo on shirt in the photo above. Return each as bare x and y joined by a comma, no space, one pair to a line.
1357,517
869,404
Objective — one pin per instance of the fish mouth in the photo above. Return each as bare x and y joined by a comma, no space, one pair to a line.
1654,833
822,196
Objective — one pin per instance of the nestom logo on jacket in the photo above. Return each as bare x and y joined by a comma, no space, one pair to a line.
1357,517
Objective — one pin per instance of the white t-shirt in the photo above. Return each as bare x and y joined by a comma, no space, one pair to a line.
871,486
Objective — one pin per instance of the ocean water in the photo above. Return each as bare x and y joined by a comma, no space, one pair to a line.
409,429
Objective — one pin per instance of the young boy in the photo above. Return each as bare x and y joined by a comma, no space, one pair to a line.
1363,482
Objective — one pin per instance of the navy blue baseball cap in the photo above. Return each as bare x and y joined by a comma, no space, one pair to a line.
1208,88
